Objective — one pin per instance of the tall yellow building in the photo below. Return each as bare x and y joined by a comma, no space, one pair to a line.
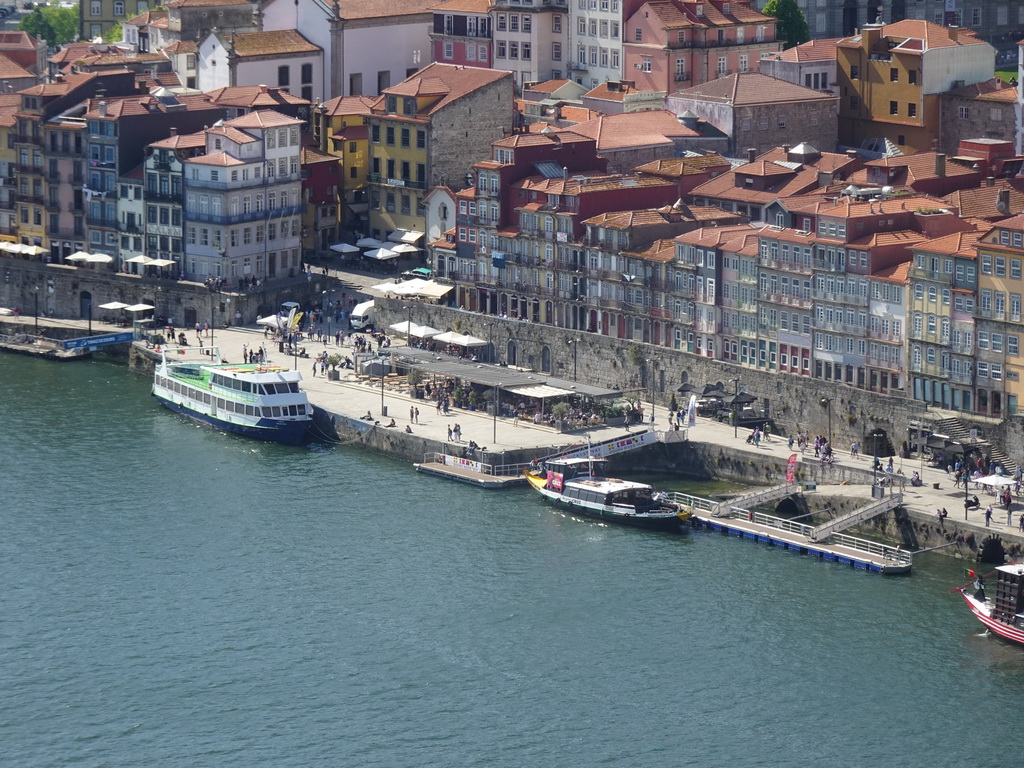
9,104
890,77
998,366
340,128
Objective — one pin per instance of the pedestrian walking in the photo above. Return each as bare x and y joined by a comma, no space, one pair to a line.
412,413
449,433
854,449
988,515
416,416
457,433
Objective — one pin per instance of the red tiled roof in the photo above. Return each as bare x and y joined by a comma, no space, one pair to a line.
751,88
633,129
262,118
181,46
675,167
982,202
813,50
253,96
276,43
348,105
928,34
217,158
447,82
897,273
994,89
182,141
951,244
463,6
10,70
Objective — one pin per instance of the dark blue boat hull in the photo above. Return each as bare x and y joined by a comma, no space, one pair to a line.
270,430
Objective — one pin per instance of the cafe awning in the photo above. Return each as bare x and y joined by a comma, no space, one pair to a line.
405,236
540,391
460,339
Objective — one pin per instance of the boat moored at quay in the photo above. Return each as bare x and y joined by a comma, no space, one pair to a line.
258,400
573,485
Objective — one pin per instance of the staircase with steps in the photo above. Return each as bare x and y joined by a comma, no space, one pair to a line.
755,498
956,430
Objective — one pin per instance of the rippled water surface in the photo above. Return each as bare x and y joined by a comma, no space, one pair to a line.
177,597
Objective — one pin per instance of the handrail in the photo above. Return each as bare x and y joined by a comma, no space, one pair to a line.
754,498
858,515
688,499
495,470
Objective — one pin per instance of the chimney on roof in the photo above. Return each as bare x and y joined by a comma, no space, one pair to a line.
990,181
751,154
565,173
102,106
263,88
852,154
954,33
174,131
940,165
785,149
1003,202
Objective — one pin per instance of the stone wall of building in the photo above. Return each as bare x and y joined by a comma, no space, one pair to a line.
794,402
981,119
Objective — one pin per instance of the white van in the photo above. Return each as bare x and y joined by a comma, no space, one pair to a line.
362,316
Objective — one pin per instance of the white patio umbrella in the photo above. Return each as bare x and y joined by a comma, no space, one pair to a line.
33,250
114,305
996,481
140,259
78,256
369,242
99,258
138,308
424,331
381,254
14,247
344,248
161,263
405,248
405,327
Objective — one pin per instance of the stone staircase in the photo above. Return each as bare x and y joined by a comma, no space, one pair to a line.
956,430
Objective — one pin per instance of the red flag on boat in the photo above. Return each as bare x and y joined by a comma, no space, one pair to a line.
791,468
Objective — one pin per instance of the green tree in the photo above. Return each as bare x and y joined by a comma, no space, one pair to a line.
115,32
55,24
792,26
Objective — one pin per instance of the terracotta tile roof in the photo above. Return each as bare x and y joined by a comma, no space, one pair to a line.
634,129
276,43
846,207
10,103
348,105
910,168
10,70
263,118
159,23
311,155
950,244
659,250
994,89
905,237
898,273
146,18
464,6
122,106
676,167
15,38
927,35
204,3
574,114
753,88
617,92
234,134
216,158
727,237
353,133
65,86
384,9
981,202
549,86
181,46
581,182
814,50
671,15
135,174
73,51
115,59
253,96
186,141
1014,222
446,82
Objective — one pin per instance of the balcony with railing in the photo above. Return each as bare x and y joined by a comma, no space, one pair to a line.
838,326
31,198
264,181
875,333
241,218
102,222
790,300
35,139
853,299
962,377
876,361
785,266
385,181
961,348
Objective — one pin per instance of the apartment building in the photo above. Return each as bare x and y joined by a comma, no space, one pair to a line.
243,200
461,33
340,129
164,196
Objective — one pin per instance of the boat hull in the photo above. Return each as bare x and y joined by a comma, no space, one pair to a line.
286,432
996,627
671,522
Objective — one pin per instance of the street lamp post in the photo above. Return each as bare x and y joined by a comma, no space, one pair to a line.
735,394
497,405
213,305
574,343
36,292
827,402
650,374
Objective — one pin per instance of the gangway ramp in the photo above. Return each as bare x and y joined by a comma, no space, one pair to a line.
857,516
756,498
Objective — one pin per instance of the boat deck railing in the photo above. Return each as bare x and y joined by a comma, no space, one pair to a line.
497,470
886,552
691,501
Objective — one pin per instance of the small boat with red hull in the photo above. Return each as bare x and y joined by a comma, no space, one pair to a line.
1001,607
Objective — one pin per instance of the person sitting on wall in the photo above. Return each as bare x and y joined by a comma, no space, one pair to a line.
392,424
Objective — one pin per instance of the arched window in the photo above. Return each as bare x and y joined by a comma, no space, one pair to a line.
545,360
510,354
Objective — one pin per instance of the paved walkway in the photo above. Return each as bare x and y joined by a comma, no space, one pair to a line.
356,399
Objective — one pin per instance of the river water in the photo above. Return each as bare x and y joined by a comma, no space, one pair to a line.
177,597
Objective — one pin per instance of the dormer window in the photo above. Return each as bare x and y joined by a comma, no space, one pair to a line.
699,10
392,105
725,8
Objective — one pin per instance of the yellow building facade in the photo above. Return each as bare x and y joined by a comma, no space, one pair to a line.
340,127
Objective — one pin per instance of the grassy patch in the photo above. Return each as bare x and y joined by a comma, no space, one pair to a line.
1006,74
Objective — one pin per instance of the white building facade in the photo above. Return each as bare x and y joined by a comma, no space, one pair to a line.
243,205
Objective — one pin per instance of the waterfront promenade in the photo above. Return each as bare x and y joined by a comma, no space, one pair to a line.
355,399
